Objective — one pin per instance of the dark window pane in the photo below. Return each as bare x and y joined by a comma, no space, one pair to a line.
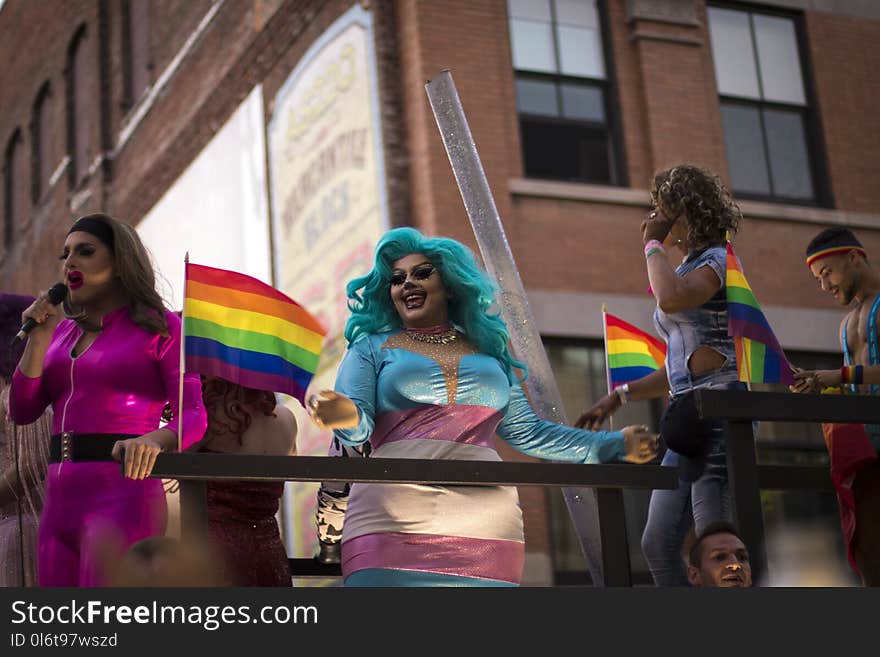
746,158
536,97
42,147
789,160
565,151
14,195
583,103
81,109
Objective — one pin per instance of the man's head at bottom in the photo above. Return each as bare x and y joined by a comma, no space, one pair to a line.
719,558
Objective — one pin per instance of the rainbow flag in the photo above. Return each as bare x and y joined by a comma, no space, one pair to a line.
759,357
631,352
240,329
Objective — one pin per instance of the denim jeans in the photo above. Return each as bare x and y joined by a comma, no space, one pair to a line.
671,513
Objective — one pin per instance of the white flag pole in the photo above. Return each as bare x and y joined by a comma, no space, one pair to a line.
607,363
182,357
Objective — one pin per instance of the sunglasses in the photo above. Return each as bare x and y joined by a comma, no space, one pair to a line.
420,273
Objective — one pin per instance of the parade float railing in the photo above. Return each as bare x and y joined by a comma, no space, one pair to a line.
192,470
739,409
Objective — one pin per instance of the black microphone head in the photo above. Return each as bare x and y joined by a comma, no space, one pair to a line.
57,293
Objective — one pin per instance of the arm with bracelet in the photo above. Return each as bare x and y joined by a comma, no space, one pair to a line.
650,386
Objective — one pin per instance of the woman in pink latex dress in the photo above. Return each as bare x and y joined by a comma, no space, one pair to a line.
241,514
107,370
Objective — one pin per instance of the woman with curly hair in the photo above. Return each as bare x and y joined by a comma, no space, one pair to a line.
428,374
691,210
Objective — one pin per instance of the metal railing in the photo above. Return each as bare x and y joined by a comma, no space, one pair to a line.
194,469
738,409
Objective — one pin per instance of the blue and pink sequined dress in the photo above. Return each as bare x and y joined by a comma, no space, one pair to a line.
443,401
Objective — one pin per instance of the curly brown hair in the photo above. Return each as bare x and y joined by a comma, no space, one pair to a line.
240,404
710,212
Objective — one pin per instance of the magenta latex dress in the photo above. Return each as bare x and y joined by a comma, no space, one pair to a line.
119,384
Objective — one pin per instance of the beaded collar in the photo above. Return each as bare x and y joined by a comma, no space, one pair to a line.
442,334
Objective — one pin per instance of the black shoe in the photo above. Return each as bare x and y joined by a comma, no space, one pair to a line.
329,553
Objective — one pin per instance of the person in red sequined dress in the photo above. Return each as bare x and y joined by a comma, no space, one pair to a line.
241,514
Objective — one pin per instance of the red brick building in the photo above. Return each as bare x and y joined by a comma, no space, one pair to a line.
573,105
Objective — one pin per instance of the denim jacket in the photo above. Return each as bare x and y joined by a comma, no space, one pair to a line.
705,325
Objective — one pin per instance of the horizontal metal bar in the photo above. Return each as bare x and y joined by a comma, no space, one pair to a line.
251,467
305,567
787,407
789,477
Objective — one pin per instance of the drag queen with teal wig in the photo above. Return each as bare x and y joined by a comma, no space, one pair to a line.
428,375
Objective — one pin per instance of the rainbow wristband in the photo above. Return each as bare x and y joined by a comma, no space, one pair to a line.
652,247
852,374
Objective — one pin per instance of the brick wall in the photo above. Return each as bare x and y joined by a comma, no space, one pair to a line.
846,71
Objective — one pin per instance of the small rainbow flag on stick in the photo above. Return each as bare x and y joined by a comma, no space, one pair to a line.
630,352
243,330
759,357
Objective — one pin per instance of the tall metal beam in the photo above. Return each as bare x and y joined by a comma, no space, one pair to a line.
499,262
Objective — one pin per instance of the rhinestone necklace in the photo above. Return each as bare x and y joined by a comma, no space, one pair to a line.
443,334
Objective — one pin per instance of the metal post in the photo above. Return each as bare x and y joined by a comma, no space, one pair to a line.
742,473
615,546
193,511
498,259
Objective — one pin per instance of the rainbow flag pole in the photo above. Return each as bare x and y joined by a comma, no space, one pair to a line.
182,359
605,340
607,364
241,329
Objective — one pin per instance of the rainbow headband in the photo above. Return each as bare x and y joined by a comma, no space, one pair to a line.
834,250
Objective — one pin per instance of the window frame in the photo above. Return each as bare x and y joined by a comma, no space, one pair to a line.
610,103
9,219
130,97
79,38
813,133
40,105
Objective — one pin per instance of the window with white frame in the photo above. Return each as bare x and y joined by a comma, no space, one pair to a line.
562,90
765,105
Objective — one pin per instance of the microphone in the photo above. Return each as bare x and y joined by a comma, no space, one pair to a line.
56,295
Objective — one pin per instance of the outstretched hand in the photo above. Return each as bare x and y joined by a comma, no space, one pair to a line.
641,445
593,417
330,410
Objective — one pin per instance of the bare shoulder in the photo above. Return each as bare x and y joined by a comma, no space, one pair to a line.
271,434
286,429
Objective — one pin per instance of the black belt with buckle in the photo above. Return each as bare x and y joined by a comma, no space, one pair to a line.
69,446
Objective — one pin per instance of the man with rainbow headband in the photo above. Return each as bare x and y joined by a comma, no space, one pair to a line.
839,262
